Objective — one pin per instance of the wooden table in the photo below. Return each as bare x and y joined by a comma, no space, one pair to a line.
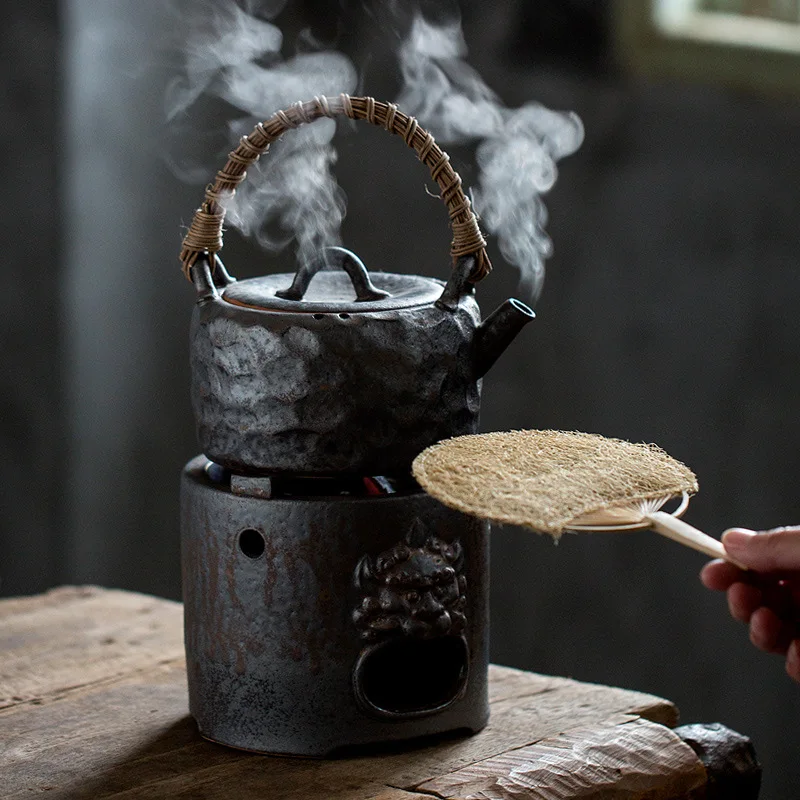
93,705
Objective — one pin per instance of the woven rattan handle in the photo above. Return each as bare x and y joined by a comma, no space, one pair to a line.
205,232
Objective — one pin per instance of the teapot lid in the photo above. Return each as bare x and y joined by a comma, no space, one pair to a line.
317,288
332,292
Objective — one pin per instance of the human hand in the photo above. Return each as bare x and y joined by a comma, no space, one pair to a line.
767,596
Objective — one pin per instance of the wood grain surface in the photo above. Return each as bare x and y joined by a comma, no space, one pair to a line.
93,705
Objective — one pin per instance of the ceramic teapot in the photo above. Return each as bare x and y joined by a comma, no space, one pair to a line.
334,369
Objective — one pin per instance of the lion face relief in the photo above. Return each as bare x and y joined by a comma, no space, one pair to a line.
414,589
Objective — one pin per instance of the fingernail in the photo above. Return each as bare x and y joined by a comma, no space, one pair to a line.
737,538
793,659
791,652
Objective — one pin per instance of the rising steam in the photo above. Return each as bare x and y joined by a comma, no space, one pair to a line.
235,56
517,149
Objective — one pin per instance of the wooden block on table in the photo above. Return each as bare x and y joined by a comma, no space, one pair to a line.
632,758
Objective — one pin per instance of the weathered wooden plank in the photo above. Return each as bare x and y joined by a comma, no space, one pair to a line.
635,759
98,727
76,636
134,738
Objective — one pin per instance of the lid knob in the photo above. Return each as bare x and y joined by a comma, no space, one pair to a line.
337,257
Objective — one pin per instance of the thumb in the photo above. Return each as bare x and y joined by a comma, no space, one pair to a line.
776,550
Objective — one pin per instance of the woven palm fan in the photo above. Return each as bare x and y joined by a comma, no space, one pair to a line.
555,481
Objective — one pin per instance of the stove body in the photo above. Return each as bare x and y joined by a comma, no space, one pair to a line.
318,623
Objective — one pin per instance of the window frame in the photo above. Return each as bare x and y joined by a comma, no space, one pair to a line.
654,51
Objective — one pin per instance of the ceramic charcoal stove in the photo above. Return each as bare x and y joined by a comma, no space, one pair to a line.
329,602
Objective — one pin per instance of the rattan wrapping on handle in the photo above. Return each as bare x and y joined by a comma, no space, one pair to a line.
205,232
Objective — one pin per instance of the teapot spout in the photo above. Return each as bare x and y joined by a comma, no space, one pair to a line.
496,333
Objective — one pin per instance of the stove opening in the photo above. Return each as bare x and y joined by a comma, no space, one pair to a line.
412,677
251,543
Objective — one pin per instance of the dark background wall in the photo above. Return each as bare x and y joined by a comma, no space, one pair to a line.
668,315
32,407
